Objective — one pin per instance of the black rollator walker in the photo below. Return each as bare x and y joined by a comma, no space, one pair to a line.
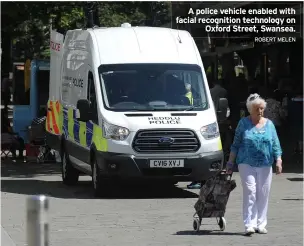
37,139
213,199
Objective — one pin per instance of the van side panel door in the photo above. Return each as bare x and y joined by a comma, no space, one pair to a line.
78,78
92,98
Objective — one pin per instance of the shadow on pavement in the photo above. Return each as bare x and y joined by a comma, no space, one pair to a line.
292,167
292,199
296,179
27,170
84,191
209,232
23,183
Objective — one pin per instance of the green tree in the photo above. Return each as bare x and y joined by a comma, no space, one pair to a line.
26,25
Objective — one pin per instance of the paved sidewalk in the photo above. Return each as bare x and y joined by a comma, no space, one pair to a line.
142,216
6,239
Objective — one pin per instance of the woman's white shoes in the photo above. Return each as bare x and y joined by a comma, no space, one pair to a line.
262,231
249,231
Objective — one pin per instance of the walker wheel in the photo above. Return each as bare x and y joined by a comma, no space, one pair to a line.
196,224
222,223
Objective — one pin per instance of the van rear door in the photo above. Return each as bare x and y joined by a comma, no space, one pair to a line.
54,110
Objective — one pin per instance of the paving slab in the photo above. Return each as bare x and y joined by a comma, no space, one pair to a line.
141,215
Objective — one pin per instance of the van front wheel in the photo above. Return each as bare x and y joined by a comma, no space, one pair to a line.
97,180
70,175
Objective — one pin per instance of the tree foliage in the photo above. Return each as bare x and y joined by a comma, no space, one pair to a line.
26,25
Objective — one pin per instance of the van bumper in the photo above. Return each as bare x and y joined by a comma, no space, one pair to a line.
122,166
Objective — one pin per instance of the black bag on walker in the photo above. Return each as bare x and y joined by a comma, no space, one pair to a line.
214,196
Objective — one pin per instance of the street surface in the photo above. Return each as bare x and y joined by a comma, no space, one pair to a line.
138,215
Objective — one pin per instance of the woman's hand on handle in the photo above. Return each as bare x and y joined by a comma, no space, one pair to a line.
229,167
229,171
230,163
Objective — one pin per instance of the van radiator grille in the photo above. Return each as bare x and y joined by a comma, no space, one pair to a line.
150,141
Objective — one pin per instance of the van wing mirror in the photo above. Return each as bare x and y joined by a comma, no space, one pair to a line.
83,110
222,109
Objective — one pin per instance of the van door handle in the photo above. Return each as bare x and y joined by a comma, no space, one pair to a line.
49,109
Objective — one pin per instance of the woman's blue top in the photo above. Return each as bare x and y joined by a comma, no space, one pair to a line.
257,147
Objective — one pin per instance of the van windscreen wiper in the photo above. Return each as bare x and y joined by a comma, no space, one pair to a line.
200,106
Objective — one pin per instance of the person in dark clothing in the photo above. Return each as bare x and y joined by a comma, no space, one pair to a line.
217,92
295,120
5,123
7,135
274,111
5,92
253,89
238,93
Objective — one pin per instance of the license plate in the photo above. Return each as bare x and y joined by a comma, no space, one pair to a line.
166,163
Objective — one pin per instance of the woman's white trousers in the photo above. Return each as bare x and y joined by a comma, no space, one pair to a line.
256,182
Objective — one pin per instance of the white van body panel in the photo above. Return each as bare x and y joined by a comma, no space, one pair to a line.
144,45
56,52
160,120
77,58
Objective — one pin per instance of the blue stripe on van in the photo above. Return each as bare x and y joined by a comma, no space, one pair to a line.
76,127
65,122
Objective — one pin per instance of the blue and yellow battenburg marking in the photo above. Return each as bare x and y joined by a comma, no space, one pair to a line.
83,133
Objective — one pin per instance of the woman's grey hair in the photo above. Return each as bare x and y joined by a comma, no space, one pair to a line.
255,99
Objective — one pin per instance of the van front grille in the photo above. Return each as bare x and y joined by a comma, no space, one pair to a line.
163,141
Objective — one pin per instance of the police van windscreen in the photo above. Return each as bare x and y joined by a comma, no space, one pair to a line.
157,87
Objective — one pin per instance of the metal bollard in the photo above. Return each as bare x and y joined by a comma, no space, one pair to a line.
37,223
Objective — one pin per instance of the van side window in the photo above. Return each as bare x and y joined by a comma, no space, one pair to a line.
91,96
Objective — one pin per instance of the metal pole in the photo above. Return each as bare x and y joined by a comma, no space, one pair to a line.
51,26
37,223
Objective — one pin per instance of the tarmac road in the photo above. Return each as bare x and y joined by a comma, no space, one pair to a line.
138,215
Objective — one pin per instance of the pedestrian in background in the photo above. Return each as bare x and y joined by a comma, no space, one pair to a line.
274,110
217,91
8,136
295,120
255,148
6,93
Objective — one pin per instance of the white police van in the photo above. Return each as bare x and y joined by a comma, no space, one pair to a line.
134,103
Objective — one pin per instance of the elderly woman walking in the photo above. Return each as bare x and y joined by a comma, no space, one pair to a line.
255,148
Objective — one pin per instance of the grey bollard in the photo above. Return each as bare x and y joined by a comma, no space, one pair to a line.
37,223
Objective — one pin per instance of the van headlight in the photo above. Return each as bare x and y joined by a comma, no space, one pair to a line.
210,131
111,131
